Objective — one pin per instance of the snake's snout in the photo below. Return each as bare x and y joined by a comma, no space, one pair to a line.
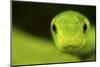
70,46
69,42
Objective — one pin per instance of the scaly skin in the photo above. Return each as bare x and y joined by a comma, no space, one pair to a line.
73,33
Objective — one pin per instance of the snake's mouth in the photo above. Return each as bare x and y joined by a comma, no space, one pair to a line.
73,48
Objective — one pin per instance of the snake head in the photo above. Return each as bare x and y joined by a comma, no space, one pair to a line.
69,30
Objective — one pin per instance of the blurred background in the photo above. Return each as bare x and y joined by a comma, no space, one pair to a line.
32,42
35,17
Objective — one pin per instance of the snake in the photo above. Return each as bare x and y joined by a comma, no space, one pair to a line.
73,33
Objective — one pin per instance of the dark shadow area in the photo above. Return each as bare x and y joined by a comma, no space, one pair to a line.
35,17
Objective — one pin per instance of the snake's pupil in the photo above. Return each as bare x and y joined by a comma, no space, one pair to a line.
54,28
84,28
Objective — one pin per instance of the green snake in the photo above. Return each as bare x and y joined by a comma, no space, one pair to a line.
73,33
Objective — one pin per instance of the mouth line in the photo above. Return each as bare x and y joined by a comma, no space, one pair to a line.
75,48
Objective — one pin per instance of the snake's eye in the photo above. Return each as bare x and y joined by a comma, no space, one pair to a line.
84,27
54,28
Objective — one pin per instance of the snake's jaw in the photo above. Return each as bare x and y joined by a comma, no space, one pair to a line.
66,43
